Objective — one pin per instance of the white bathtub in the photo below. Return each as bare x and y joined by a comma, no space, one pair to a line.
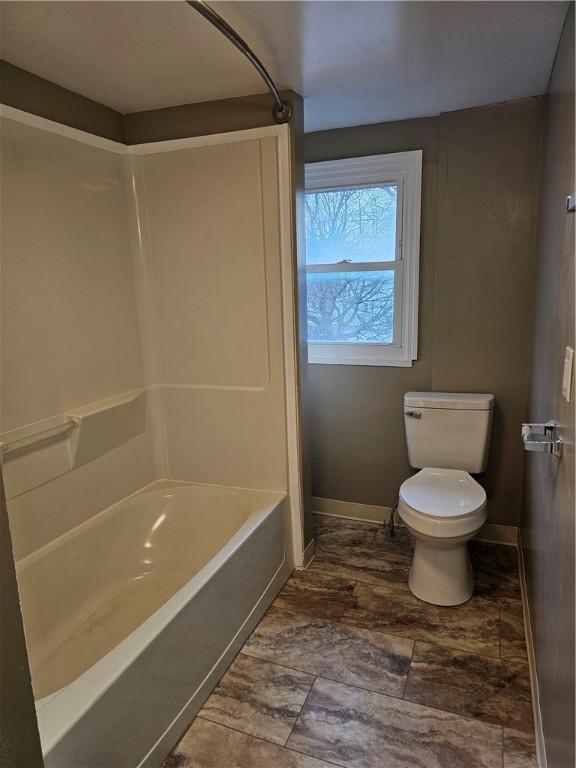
131,617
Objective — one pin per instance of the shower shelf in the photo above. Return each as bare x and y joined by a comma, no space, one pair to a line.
39,452
25,437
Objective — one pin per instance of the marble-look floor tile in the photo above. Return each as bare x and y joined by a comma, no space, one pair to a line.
365,564
359,729
512,637
258,698
347,654
473,626
337,532
321,595
496,575
208,745
519,749
492,690
401,546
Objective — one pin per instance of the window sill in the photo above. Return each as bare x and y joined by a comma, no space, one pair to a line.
370,355
387,364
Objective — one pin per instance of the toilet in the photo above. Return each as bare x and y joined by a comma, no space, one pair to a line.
442,505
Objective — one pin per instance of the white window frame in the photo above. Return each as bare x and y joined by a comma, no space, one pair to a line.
405,170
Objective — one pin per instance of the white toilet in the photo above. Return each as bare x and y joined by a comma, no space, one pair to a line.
442,505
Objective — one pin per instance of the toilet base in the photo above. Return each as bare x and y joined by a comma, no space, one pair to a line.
441,571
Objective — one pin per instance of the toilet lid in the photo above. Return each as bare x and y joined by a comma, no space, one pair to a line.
443,493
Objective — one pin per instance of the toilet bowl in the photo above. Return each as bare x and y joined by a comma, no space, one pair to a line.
443,509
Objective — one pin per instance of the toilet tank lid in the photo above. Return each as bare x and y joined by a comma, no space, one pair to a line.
462,401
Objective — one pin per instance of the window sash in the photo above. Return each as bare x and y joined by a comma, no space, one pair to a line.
385,266
397,182
354,266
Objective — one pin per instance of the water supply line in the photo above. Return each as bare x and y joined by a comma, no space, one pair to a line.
390,527
282,111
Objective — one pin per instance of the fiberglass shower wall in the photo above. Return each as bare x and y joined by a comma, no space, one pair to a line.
163,269
215,229
70,336
211,240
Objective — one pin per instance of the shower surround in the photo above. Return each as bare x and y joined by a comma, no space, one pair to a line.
147,343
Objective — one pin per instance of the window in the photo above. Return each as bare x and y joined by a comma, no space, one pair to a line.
362,250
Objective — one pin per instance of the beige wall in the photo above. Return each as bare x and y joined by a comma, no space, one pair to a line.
484,278
479,194
203,118
30,93
548,516
23,90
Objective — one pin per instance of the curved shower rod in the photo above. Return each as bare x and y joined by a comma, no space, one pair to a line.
282,111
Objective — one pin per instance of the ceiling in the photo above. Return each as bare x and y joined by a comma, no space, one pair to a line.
354,62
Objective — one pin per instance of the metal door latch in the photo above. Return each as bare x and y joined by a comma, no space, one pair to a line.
542,438
413,414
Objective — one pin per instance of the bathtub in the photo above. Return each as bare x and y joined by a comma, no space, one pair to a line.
132,617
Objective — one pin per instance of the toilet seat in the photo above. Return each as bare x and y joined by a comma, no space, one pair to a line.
443,503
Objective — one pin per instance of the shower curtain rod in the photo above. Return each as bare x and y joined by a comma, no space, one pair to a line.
282,111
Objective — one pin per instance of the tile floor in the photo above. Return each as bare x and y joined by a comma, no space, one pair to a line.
348,669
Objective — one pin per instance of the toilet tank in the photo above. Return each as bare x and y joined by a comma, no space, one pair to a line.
448,430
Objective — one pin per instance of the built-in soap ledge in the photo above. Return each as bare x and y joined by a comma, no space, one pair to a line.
39,452
106,425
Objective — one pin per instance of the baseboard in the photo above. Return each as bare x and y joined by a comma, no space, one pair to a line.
308,554
369,513
538,729
499,534
491,532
